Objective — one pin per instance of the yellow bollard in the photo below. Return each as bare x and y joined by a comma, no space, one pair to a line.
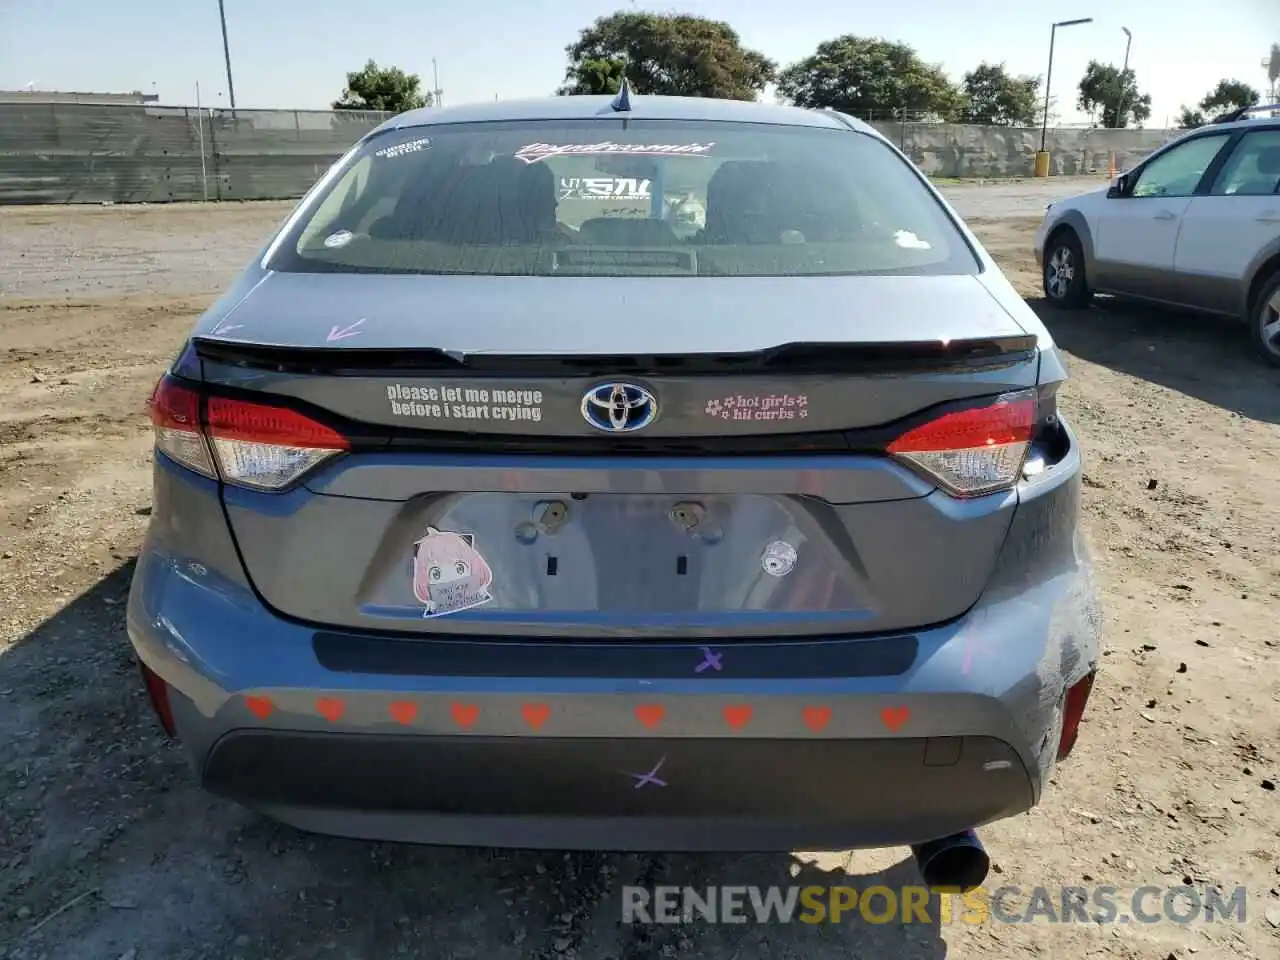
1042,163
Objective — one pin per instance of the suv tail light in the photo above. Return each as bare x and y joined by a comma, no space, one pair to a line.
975,451
253,445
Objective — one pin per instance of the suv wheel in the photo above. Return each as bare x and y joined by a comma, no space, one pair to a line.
1065,284
1265,322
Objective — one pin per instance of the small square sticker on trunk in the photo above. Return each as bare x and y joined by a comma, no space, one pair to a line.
449,574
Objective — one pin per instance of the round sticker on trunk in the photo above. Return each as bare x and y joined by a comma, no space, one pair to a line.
778,558
449,574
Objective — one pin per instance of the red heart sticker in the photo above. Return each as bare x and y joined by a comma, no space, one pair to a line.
464,714
330,709
816,718
260,707
650,714
737,715
535,714
403,711
895,717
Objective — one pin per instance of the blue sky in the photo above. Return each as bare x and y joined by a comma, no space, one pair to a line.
295,53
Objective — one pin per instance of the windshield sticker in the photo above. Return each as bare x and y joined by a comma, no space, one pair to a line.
403,149
449,574
339,239
533,152
778,559
471,404
604,188
909,241
759,407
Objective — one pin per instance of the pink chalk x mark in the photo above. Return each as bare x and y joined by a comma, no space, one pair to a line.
651,777
341,333
710,660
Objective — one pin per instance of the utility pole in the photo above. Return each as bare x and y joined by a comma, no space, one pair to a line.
226,53
436,92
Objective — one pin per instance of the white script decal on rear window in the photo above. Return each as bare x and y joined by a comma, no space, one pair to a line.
402,149
445,402
533,152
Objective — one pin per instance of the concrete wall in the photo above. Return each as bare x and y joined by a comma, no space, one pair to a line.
954,150
90,153
94,153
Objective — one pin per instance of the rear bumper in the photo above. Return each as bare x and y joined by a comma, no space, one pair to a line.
583,793
821,743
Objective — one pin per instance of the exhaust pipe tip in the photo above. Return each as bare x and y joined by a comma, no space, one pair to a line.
955,862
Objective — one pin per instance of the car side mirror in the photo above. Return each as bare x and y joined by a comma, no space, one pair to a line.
1119,187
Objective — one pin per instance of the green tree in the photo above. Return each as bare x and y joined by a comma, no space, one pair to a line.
382,88
1228,95
869,78
596,77
1111,96
1189,119
670,54
994,98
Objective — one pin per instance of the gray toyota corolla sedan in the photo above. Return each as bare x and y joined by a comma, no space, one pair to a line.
645,473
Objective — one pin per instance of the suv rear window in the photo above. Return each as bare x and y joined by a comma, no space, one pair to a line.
612,197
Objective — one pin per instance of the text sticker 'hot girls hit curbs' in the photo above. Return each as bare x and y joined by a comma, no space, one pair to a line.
449,574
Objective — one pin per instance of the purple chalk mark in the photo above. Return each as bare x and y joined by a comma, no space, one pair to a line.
710,660
341,333
650,777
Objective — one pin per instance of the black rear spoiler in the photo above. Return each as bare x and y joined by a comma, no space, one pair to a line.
790,358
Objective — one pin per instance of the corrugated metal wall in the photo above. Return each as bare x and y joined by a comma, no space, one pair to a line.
94,153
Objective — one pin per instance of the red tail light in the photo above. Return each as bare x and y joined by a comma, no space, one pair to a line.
976,451
250,444
1073,713
175,415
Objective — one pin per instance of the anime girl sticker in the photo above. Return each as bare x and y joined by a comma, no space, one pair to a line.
449,574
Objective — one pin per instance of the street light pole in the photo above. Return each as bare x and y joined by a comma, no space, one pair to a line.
226,53
1124,72
1048,77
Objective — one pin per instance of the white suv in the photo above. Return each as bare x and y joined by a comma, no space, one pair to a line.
1196,225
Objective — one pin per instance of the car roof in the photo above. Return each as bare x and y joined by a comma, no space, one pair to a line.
642,108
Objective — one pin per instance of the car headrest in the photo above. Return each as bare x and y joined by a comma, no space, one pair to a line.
1268,161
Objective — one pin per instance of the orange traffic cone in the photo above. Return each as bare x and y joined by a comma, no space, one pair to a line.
1111,168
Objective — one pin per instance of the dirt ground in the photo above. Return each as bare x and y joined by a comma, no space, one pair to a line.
108,850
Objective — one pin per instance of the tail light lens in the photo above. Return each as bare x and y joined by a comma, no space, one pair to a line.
175,415
253,445
976,451
267,447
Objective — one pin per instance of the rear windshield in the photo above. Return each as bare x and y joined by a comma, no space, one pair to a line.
609,197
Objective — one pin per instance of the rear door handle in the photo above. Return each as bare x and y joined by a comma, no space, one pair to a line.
1166,215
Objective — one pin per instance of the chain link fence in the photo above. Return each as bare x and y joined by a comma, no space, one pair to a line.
126,153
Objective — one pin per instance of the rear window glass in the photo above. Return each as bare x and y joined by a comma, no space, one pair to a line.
609,197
